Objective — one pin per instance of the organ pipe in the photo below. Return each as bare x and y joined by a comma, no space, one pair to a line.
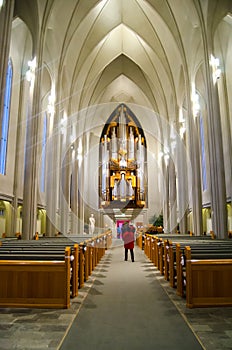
122,132
131,145
123,161
105,169
114,145
123,187
140,169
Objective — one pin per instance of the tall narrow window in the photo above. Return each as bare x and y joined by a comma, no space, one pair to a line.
203,161
43,158
5,119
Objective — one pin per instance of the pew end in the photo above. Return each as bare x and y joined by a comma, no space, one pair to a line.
208,283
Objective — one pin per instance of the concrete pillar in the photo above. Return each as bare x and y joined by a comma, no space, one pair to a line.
31,156
172,196
166,221
74,193
227,128
6,16
65,184
182,185
81,185
18,155
52,173
195,172
216,158
215,144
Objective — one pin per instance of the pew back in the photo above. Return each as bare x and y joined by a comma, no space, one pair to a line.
39,284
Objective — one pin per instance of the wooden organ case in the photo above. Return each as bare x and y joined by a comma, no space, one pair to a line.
123,162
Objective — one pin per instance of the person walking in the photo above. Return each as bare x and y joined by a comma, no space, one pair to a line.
128,236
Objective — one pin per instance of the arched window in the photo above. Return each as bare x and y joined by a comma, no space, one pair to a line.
5,119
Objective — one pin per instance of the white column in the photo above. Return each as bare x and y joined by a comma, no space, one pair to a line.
195,186
80,186
6,16
166,221
172,196
31,155
182,197
65,183
226,127
52,173
216,158
19,154
74,193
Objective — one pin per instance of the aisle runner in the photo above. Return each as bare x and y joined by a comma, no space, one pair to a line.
126,309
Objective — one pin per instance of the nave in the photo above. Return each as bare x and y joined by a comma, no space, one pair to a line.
122,306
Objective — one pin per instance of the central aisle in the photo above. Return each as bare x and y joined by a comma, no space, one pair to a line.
127,308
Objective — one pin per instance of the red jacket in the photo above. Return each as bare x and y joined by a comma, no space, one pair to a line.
128,238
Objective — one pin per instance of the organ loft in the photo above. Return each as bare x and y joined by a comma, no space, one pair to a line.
123,162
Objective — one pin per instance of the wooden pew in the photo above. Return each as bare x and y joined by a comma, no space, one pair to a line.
208,283
171,265
81,272
174,252
195,242
46,255
199,267
35,284
167,244
32,252
211,252
160,255
139,240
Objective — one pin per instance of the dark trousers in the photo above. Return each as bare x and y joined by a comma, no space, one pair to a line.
131,253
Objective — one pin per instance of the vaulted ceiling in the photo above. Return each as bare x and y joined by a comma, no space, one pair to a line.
139,51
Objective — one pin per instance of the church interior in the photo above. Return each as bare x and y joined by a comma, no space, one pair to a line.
115,111
117,108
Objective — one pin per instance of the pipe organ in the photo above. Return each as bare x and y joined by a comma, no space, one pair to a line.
122,162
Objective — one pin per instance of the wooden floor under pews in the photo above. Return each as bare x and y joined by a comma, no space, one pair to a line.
31,328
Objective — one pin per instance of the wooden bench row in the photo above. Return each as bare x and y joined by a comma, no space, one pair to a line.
25,283
179,260
33,275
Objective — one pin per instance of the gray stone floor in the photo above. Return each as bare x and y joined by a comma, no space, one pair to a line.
212,326
41,329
